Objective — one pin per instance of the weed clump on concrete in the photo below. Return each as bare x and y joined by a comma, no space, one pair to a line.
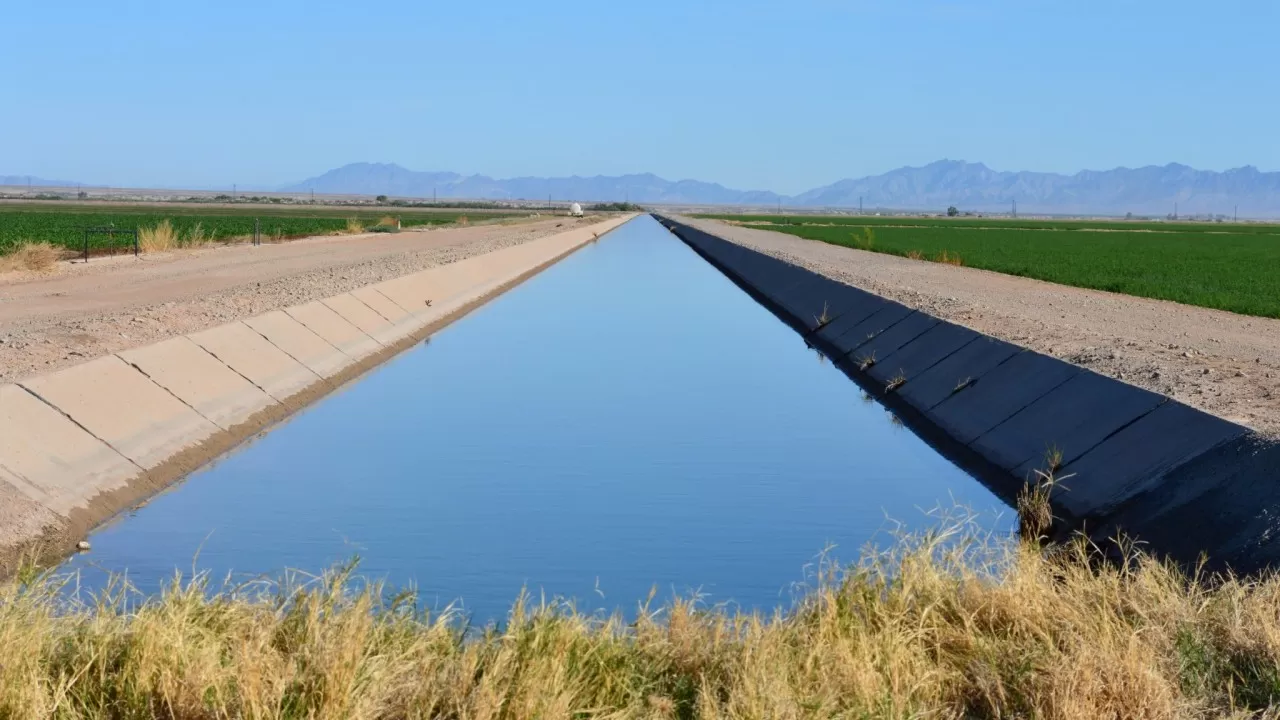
865,362
821,321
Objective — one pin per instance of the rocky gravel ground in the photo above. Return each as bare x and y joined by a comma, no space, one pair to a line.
1222,363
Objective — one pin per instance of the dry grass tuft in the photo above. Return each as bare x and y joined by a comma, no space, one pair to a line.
865,362
949,259
821,321
160,238
464,220
354,225
898,381
388,221
915,255
32,257
196,236
866,241
949,623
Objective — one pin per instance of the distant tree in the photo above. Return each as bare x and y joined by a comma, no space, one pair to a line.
382,198
1128,216
952,211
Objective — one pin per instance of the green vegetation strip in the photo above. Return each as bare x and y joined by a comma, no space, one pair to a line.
943,625
1191,264
64,226
1001,223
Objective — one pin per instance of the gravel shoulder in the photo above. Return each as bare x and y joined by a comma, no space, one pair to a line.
1222,363
83,311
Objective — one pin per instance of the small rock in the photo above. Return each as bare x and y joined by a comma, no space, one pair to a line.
82,546
1188,354
1240,373
1155,375
1206,371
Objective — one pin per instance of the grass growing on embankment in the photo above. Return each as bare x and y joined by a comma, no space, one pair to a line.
63,225
937,627
1215,266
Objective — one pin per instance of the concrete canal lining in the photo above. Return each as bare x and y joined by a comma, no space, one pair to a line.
1130,461
79,445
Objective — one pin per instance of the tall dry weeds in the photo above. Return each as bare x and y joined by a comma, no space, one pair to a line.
160,238
32,257
354,225
949,623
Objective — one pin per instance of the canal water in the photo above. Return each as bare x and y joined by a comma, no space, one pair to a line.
628,419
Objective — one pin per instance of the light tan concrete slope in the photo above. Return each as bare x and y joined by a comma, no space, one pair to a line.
125,409
245,351
323,321
220,394
303,345
50,459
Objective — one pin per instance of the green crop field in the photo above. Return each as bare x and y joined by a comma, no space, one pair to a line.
1228,267
1007,223
64,225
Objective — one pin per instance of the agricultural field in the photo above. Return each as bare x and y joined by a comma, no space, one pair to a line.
63,225
1233,267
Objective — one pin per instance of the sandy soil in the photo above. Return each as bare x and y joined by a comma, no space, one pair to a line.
1222,363
82,311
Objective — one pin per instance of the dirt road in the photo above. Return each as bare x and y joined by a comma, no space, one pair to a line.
86,310
1222,363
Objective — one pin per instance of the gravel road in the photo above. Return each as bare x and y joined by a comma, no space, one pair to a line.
83,311
1222,363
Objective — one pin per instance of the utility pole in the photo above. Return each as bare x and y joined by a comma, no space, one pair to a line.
1235,215
859,204
1015,209
433,196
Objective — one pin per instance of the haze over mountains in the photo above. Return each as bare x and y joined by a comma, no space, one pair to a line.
1151,190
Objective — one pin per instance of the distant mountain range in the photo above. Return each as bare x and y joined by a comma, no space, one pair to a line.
1151,190
24,180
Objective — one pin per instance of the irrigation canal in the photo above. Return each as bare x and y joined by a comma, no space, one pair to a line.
627,419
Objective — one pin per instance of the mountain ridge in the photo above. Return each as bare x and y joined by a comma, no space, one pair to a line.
1152,189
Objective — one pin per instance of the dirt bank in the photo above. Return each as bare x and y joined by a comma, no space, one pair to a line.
1224,364
84,311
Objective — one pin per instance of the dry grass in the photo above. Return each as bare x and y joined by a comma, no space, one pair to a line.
898,381
865,241
388,221
160,238
463,220
32,257
354,225
949,259
942,625
197,237
821,321
915,255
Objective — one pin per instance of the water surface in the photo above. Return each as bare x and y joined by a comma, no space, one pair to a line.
627,419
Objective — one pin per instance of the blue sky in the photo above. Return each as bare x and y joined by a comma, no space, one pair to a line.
753,94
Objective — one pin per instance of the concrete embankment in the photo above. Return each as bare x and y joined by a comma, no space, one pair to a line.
81,444
1130,461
